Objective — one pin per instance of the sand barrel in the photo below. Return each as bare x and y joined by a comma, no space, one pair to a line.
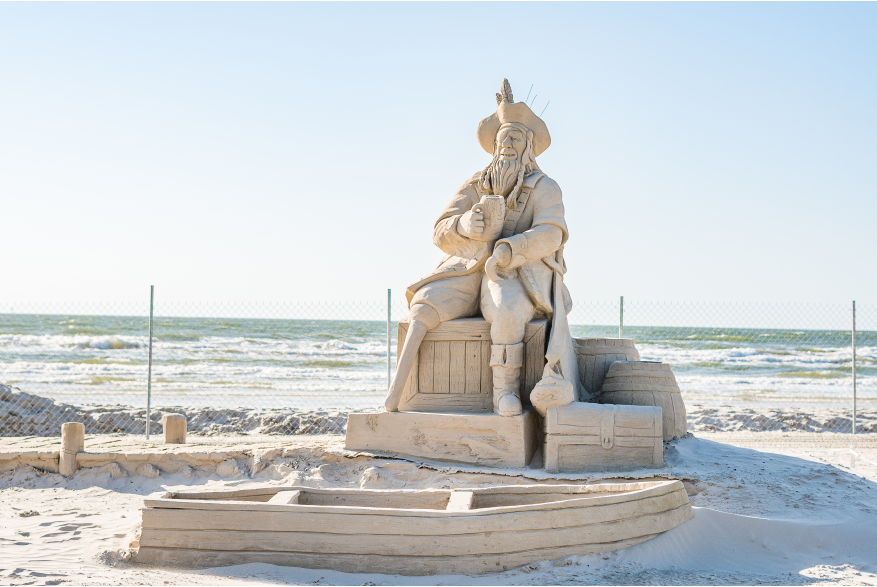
647,383
595,355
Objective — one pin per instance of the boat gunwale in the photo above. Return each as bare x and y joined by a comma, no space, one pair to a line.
571,488
655,489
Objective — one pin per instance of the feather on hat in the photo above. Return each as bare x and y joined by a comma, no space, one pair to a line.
510,111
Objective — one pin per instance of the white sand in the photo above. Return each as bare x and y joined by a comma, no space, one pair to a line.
775,510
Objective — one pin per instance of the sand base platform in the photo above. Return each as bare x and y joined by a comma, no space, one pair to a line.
478,439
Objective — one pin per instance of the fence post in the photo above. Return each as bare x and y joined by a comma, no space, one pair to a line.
621,317
72,443
854,366
389,292
149,364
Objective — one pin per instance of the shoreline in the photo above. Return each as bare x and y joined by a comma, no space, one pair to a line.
27,414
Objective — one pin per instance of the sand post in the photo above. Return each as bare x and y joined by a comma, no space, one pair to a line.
72,442
174,428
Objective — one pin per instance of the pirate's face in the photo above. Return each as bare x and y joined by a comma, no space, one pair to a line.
512,144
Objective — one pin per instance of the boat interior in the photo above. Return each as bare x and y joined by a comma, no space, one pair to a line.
426,499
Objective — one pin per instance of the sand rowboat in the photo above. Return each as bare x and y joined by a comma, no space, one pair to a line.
408,532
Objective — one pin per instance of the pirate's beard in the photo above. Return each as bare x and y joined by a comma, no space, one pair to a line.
503,175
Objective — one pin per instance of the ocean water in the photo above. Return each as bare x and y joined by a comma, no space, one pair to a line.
224,362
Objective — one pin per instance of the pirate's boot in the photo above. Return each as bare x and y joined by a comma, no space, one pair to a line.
506,361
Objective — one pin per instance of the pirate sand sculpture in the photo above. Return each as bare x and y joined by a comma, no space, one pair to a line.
503,234
487,371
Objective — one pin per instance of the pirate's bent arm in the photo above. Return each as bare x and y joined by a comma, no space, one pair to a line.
548,232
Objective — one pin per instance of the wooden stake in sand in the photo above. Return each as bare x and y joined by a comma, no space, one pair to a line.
72,442
174,428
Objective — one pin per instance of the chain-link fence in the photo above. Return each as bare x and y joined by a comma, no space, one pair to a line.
298,368
755,366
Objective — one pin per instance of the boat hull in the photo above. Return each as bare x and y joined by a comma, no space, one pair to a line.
416,540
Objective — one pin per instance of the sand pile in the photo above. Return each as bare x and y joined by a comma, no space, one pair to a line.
27,414
765,419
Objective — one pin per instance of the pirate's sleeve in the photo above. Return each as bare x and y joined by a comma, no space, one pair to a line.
446,235
548,232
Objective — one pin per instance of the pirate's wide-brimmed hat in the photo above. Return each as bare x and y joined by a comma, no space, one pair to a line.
510,111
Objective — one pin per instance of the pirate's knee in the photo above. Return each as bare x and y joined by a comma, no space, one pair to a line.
509,324
426,314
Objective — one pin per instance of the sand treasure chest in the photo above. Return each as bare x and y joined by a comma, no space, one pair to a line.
582,437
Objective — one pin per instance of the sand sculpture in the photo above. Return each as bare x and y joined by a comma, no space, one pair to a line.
502,234
487,371
406,532
487,374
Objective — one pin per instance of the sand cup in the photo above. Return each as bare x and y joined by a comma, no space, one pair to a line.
493,209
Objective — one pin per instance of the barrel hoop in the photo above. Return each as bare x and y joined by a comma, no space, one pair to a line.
611,342
607,350
645,388
641,374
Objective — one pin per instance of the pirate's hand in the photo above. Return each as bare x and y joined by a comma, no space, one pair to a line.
503,255
471,224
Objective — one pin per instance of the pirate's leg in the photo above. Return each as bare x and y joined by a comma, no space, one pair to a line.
421,319
507,307
448,299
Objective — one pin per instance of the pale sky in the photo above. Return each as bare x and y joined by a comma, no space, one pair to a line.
715,152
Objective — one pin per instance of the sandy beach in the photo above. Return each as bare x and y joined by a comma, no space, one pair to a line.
778,498
770,508
238,235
